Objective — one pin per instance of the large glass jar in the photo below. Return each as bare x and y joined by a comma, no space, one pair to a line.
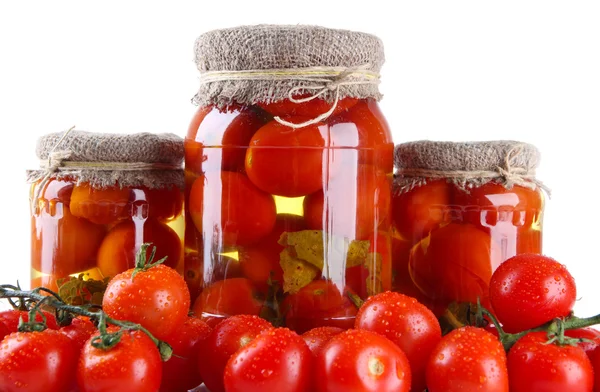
453,229
87,227
288,222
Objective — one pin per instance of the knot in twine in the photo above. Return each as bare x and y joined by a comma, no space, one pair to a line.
508,175
320,80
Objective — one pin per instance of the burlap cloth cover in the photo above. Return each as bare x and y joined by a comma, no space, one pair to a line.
466,164
267,63
104,160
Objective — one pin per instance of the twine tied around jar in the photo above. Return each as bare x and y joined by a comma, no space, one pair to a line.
509,171
322,80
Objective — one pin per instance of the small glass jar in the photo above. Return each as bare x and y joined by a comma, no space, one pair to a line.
88,224
285,222
455,224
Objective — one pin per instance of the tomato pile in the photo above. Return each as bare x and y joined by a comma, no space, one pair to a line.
529,341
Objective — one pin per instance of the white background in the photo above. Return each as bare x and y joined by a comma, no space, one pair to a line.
455,70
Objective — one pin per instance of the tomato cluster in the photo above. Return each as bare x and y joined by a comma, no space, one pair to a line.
77,228
252,180
448,240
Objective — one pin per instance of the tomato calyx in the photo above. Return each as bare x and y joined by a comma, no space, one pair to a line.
144,263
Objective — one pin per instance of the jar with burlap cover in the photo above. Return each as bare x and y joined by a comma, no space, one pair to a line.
290,162
95,200
459,211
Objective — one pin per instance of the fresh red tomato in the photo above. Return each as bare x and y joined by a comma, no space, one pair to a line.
217,139
10,318
318,304
180,373
61,243
356,202
590,334
311,109
37,361
277,360
534,365
316,338
3,330
118,250
230,203
226,298
423,209
468,359
226,339
595,360
359,360
100,206
407,323
133,365
364,129
158,299
260,261
287,162
454,263
529,290
79,331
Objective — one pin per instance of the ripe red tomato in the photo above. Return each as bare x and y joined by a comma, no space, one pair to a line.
260,261
10,318
316,338
3,331
230,203
227,298
217,138
310,109
422,210
100,206
158,299
534,365
62,244
364,128
318,304
590,334
180,373
468,359
79,331
133,365
529,290
278,359
595,360
287,162
37,361
359,360
407,323
454,263
358,201
227,338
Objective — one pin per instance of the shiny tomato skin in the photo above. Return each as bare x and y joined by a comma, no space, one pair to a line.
227,298
595,360
100,206
158,299
468,359
37,361
311,109
534,365
277,360
529,290
407,323
3,331
316,338
180,372
133,365
590,334
10,318
79,331
226,338
229,201
285,161
318,304
359,360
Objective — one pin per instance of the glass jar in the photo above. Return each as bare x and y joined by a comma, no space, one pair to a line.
451,233
289,223
85,229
